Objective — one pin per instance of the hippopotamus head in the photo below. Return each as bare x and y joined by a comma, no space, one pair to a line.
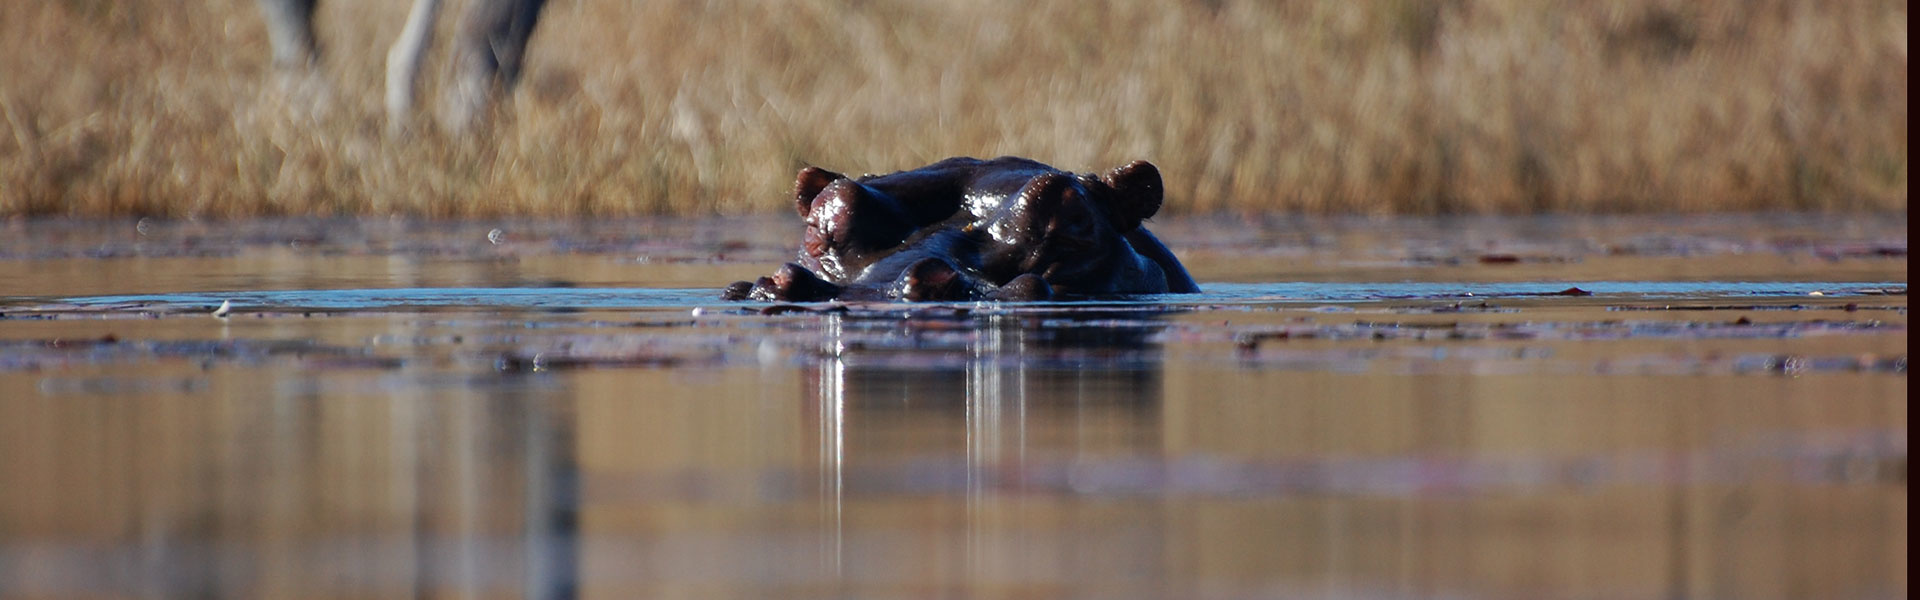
967,229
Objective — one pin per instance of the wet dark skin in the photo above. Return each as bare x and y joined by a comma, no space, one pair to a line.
969,229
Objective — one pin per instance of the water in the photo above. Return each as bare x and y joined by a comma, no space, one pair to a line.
1474,408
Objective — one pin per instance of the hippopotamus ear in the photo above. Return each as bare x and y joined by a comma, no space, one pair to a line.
1137,194
849,222
808,184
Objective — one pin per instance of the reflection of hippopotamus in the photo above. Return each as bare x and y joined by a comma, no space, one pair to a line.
969,229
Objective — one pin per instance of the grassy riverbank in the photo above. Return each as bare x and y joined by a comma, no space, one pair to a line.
170,108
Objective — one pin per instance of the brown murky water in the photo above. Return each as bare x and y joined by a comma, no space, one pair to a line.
1354,409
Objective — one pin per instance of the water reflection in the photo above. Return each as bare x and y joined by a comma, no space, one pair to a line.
1723,420
956,407
287,490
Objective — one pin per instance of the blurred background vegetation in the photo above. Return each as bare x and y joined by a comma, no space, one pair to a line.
171,108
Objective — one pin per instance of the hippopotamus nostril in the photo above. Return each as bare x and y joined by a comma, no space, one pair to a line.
793,282
932,279
1025,288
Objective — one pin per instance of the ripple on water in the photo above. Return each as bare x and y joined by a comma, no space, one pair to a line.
1277,294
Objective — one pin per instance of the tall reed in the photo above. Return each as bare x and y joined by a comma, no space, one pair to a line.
170,108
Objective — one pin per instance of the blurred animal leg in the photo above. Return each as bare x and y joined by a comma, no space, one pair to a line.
403,62
488,56
290,31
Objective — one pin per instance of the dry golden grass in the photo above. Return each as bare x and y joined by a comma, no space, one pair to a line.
117,107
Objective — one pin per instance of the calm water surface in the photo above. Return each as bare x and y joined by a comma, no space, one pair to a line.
1633,407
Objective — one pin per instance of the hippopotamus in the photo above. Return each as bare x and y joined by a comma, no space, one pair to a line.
965,229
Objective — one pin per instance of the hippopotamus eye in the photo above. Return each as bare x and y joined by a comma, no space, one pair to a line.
1074,230
1075,244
